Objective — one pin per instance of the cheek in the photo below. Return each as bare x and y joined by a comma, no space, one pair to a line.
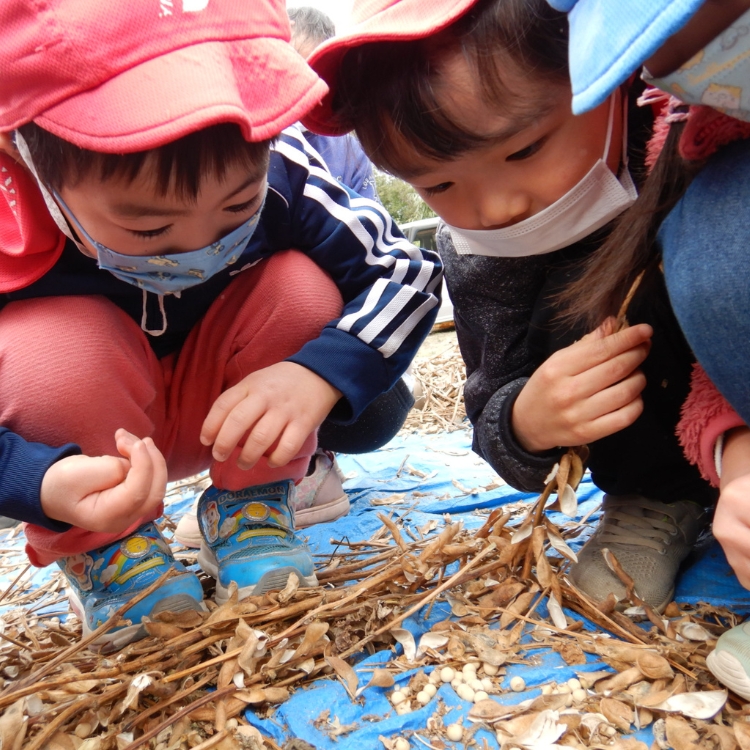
563,173
449,207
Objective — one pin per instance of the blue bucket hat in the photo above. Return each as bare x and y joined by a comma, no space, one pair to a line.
610,39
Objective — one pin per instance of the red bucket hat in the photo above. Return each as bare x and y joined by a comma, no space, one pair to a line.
375,21
129,76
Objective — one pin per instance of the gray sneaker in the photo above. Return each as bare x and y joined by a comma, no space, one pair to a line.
650,540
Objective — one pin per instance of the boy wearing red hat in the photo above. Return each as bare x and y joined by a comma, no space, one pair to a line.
183,286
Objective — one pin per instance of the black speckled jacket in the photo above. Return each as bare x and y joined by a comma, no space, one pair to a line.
505,325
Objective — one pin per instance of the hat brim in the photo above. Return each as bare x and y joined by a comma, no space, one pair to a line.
609,41
402,21
261,84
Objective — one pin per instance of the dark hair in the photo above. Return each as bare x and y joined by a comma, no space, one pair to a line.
387,90
310,24
178,166
631,247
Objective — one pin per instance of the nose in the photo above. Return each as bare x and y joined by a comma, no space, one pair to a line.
496,210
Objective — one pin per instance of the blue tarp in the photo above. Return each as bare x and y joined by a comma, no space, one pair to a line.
439,469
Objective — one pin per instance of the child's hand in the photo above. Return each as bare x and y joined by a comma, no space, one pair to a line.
732,519
278,407
107,493
584,392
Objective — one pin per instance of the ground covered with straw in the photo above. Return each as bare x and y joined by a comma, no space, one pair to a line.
502,585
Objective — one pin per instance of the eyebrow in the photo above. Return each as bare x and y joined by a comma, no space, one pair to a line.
138,210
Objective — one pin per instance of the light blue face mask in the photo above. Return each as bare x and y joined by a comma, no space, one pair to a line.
718,76
173,272
162,274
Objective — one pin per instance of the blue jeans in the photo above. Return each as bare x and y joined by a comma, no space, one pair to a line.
705,242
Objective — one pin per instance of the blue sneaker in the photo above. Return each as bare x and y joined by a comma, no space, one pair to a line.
248,538
102,580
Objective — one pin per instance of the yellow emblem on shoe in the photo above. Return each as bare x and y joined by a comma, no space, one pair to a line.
135,547
256,512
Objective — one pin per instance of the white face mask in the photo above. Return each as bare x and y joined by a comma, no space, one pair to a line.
597,199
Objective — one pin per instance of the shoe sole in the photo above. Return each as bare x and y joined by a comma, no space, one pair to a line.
729,671
274,580
329,511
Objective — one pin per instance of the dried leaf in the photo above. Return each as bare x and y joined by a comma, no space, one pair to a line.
653,665
704,705
617,713
345,673
562,473
523,531
556,612
292,585
571,653
137,685
619,681
680,735
432,641
558,543
723,736
12,724
381,678
568,502
742,734
247,659
543,732
691,631
313,634
162,630
578,457
406,639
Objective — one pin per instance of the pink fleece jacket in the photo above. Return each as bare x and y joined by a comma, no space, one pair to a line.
706,415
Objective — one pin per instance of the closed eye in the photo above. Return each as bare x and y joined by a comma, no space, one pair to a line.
527,152
150,233
436,189
242,207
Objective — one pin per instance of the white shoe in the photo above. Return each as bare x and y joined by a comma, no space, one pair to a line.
319,497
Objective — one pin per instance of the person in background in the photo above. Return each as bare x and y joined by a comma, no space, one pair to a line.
343,154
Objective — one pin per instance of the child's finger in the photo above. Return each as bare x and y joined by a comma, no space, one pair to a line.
289,445
588,353
260,438
137,484
600,377
159,478
237,422
615,420
615,397
125,441
222,407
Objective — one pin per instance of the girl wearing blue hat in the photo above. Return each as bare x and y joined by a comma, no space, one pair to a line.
470,103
